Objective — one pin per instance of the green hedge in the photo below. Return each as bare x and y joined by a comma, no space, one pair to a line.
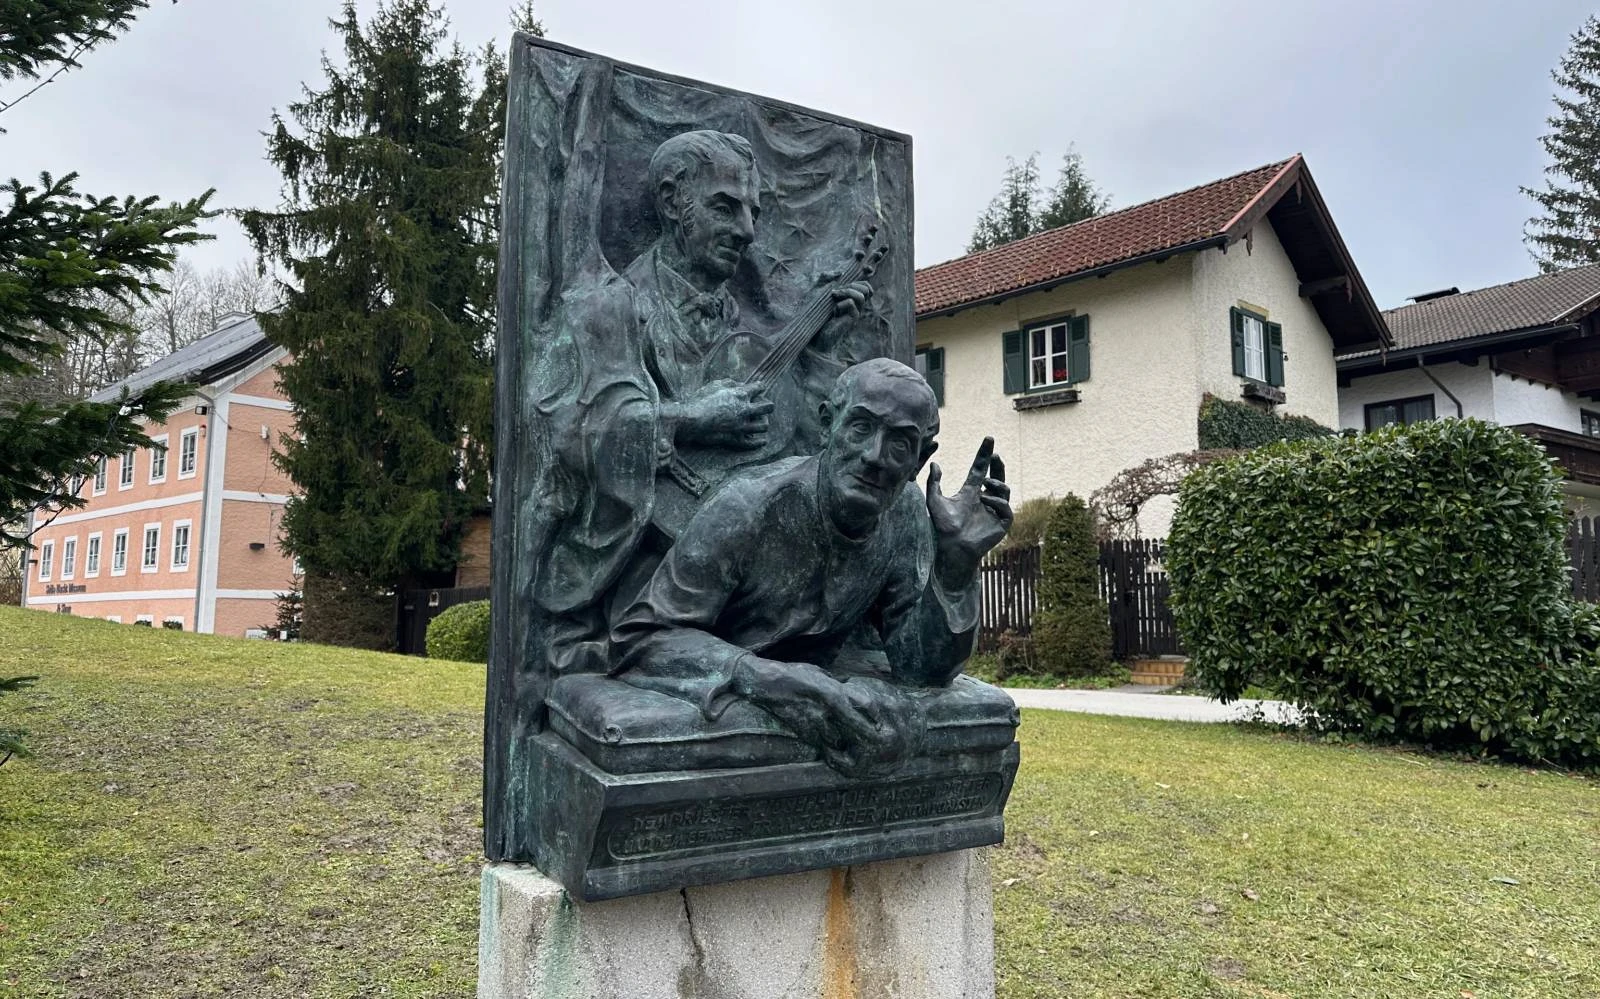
1239,425
461,633
1072,627
1407,584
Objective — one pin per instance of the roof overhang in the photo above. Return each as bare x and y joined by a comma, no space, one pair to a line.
1329,279
1464,350
1578,455
1153,257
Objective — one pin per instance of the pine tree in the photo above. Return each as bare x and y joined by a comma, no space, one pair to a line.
1013,213
389,234
1021,209
1567,233
1074,198
72,267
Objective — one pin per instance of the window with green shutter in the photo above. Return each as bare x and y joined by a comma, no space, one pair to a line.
930,365
1257,347
1048,355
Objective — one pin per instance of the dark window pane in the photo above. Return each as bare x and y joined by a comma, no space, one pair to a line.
1419,409
1058,339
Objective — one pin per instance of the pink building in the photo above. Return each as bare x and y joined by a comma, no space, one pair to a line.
186,532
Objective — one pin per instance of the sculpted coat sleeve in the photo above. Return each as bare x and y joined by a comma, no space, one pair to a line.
929,631
664,641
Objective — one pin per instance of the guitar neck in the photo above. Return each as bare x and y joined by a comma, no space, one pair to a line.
798,332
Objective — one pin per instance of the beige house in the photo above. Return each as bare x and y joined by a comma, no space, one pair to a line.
1087,349
184,534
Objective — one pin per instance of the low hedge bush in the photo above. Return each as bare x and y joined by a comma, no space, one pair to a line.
460,633
1408,584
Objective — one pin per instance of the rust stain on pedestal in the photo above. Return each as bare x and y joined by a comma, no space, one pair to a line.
839,958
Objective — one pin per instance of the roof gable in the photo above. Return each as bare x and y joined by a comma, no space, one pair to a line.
1215,214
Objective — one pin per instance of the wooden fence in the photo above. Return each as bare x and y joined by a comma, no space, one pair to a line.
418,608
1583,552
1132,582
1009,582
1136,589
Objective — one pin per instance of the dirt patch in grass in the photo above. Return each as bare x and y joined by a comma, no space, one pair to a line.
208,817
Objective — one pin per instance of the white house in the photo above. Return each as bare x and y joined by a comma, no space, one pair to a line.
1524,354
1087,349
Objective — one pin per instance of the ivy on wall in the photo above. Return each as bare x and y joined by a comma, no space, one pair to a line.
1225,424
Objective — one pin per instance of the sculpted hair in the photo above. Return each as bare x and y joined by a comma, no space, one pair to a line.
684,154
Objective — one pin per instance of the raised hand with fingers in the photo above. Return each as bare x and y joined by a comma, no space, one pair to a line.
969,523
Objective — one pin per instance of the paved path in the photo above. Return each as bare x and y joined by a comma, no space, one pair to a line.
1175,707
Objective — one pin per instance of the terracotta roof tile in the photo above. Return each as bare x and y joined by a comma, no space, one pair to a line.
1503,308
1162,224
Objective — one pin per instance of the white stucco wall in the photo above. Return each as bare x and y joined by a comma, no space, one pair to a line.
1517,400
1473,385
1138,402
1159,341
1257,275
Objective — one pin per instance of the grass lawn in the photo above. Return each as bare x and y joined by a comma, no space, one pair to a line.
213,817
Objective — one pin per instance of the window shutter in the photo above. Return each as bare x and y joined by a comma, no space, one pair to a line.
1077,350
933,371
1236,324
1275,354
1015,362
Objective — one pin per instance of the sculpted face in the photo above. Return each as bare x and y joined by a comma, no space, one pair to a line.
713,213
880,426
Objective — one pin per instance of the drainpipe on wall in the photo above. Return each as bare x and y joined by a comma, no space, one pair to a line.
1451,395
199,563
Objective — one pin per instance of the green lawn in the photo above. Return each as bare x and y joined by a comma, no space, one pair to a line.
213,817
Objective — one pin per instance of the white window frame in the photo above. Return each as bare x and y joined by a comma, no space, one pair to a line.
101,473
69,557
149,619
1048,331
150,554
173,617
119,552
158,459
125,469
187,533
91,555
1257,352
114,618
47,560
189,453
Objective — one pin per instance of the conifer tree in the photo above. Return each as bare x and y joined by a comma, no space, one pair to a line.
388,232
1022,209
1074,198
72,267
1012,214
1567,233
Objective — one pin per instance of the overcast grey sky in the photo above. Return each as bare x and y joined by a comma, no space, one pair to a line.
1419,119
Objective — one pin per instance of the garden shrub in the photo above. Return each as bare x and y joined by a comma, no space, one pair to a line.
1028,524
461,633
1072,627
1408,584
1239,425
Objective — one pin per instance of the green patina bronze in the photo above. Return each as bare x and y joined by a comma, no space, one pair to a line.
734,631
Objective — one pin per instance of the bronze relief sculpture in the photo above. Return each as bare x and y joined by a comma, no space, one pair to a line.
734,626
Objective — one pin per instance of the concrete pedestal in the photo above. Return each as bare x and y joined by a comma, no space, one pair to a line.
921,928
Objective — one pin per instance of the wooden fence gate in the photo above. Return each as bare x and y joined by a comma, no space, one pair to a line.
1009,584
418,608
1136,589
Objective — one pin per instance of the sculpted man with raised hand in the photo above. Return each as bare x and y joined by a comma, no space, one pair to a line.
828,589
